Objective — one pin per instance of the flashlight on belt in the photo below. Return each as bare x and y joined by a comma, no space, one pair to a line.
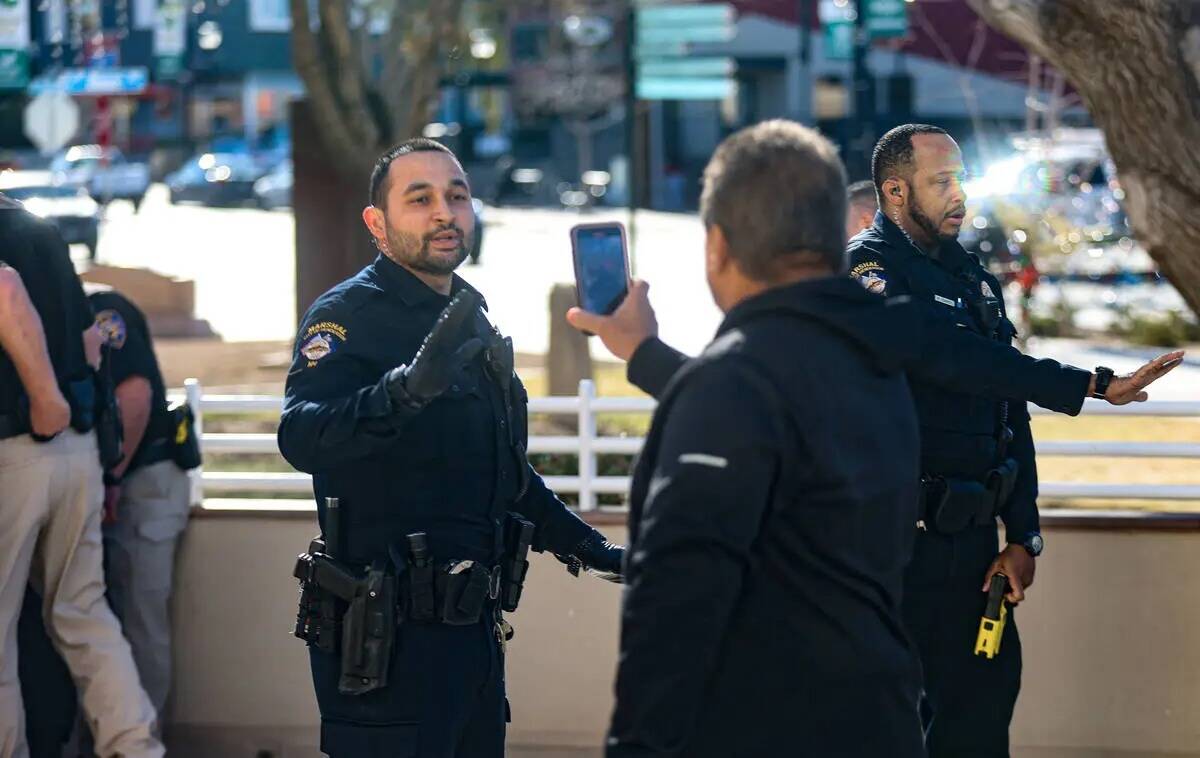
991,626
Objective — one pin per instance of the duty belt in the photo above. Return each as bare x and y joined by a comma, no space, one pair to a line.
150,453
950,505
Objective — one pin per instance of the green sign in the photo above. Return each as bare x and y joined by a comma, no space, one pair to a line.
665,31
887,18
663,40
684,88
14,69
685,67
685,15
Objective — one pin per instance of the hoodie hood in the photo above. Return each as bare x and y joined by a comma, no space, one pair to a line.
883,328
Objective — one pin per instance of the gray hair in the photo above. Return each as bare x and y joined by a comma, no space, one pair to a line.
778,192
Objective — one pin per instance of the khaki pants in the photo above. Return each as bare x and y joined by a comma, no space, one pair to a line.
50,502
140,552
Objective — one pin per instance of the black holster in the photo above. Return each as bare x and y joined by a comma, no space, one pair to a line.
324,587
185,445
518,536
369,633
81,396
952,505
463,592
110,433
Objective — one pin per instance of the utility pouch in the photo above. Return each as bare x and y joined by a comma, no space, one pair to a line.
185,445
954,504
81,396
518,536
420,578
462,588
1002,479
368,633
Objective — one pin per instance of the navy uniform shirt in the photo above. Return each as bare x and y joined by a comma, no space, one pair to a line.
958,428
451,469
39,255
128,353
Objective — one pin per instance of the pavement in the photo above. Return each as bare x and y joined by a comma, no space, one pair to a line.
243,264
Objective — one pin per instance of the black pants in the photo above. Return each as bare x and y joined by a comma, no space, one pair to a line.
445,698
46,686
967,702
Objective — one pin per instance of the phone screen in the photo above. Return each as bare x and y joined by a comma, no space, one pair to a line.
602,279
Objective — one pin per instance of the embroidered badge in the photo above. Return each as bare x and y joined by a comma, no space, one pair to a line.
112,328
320,340
872,276
986,289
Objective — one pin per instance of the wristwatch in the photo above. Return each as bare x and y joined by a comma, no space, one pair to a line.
1033,544
1104,375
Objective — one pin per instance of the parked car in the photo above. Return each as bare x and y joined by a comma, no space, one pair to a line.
72,211
275,189
103,171
215,179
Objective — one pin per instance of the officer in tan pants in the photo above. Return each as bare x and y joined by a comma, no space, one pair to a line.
51,494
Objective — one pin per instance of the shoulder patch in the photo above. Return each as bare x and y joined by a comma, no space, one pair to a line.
112,328
871,275
986,289
320,340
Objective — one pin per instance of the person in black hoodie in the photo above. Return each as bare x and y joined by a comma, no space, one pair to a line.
936,353
772,509
767,533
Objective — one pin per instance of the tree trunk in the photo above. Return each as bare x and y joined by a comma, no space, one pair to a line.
1136,63
331,241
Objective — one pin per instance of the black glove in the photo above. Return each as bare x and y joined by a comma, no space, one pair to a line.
597,556
449,346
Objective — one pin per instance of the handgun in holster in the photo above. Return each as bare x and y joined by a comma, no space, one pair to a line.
323,582
995,616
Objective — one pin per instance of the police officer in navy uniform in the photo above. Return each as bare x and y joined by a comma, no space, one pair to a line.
403,404
977,454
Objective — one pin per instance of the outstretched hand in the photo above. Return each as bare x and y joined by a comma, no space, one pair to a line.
1131,388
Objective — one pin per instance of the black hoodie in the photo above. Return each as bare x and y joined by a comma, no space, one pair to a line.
771,518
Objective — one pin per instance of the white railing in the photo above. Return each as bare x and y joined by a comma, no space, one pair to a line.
588,444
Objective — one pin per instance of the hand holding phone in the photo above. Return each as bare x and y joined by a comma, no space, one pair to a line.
601,256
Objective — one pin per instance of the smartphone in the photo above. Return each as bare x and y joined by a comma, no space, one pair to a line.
601,255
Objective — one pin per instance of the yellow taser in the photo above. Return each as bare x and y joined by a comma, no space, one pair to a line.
991,626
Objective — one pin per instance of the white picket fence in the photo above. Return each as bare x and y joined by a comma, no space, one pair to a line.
588,443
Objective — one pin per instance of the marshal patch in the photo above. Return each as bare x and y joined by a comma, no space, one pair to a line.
872,276
112,327
321,340
986,289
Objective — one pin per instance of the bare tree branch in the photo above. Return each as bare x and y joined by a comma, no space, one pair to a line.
1134,63
329,117
349,75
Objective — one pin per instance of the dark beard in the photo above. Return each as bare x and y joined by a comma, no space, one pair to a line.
926,225
405,249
